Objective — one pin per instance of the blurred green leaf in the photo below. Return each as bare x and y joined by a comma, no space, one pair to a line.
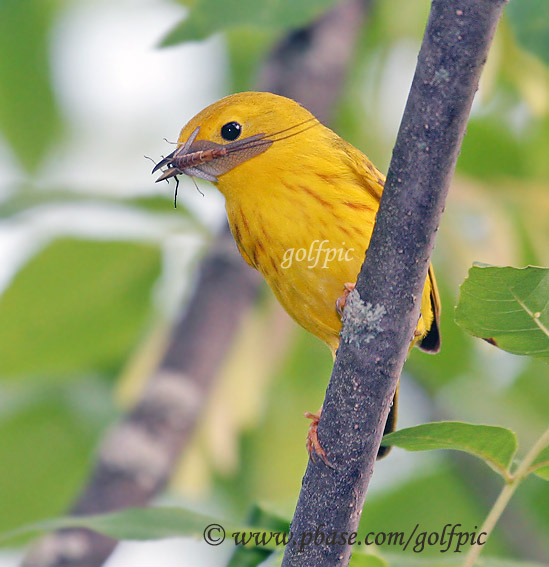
132,524
77,306
47,438
508,306
144,524
529,20
540,466
29,117
495,445
210,16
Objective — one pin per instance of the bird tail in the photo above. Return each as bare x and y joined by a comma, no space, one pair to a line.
431,341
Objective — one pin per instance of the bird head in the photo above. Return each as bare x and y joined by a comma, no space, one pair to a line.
236,130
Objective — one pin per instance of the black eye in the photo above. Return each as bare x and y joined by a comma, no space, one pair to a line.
231,131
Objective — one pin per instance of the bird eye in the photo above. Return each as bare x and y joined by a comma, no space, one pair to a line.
231,131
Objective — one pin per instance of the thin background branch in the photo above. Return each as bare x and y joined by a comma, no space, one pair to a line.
138,455
381,314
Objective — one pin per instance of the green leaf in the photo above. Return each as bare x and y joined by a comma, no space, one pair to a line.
29,116
143,524
529,20
540,466
210,16
132,524
509,307
495,445
76,307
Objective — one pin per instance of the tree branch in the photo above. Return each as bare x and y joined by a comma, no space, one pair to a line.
137,456
382,313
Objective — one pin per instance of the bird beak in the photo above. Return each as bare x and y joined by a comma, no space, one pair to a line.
189,159
170,172
207,160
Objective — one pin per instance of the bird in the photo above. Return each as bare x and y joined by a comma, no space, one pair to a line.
301,204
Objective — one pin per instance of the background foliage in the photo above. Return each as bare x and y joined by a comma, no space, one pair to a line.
94,265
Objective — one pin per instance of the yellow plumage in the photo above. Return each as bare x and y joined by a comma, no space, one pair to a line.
304,186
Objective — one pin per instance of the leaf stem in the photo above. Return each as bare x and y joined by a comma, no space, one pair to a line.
505,495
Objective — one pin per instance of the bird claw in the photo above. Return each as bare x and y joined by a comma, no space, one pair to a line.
314,449
341,301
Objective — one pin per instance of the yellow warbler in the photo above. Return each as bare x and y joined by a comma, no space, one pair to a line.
301,204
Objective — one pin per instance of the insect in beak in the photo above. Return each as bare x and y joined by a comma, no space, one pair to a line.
186,158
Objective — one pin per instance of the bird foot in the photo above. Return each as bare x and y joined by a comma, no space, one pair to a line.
341,301
314,449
